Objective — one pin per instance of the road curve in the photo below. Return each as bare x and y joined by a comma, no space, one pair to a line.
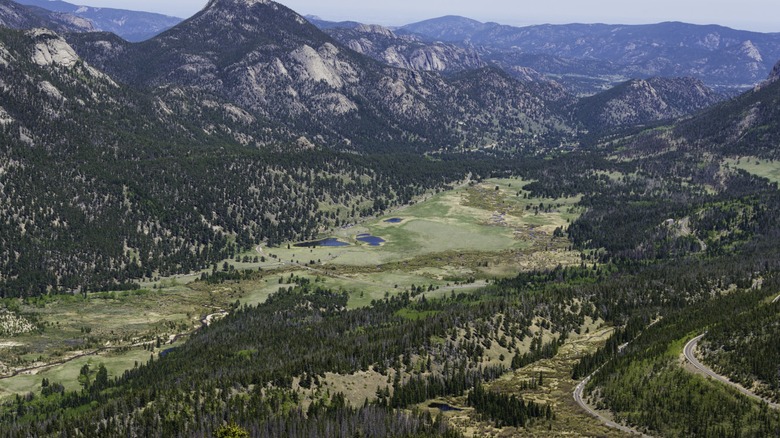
609,423
690,355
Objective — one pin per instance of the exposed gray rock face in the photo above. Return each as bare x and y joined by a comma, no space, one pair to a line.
50,49
260,74
45,83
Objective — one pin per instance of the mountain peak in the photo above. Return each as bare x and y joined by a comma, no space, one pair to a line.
375,28
230,28
249,3
248,16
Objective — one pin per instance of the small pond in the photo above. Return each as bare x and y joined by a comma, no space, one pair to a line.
331,241
444,407
395,220
371,240
167,351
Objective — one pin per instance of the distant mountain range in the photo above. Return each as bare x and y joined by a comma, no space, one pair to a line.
17,16
590,57
130,25
269,76
586,58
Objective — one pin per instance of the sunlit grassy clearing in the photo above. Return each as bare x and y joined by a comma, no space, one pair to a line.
768,169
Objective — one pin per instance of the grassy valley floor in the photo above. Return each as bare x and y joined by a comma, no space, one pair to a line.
445,243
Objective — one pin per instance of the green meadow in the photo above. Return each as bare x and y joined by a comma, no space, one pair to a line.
762,167
454,241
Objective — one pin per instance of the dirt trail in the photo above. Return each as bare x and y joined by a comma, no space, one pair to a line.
205,322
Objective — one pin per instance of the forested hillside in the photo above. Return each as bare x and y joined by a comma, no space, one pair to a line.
99,191
298,335
746,350
242,225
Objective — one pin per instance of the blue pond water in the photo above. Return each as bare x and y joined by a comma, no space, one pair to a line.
395,220
371,240
332,241
444,407
167,351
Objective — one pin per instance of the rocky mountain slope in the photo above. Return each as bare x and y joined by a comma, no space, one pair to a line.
721,57
775,73
408,51
282,70
632,103
285,80
101,183
130,25
16,16
747,125
414,53
640,101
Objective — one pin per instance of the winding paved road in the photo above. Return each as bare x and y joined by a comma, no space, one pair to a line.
578,391
690,355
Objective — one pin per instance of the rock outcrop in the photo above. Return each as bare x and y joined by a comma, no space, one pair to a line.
775,73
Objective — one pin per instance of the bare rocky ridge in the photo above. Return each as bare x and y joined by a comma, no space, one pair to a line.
273,78
282,80
50,49
408,51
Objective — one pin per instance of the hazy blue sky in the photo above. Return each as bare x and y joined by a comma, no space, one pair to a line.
761,15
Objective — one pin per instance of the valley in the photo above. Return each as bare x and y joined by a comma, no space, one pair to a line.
454,241
254,223
465,244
